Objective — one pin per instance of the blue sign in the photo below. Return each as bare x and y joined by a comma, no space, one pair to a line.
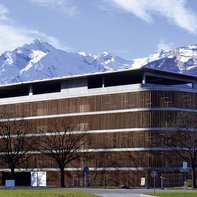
86,170
154,173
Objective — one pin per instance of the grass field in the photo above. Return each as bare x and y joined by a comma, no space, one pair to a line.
174,194
43,193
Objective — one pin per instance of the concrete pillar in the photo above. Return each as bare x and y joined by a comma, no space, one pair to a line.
143,78
103,82
30,90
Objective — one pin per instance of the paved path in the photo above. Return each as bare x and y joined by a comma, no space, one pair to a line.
117,192
126,192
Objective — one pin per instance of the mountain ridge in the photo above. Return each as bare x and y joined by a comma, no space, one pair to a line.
40,60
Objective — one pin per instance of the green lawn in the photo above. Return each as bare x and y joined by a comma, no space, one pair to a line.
174,194
43,193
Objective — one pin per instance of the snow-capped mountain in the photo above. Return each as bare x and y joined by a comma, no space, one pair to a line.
180,60
40,60
110,62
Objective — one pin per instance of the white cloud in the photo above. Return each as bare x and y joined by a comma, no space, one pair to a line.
13,36
62,5
3,12
176,11
164,45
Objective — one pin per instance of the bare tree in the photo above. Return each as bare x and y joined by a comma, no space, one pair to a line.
183,140
15,142
62,144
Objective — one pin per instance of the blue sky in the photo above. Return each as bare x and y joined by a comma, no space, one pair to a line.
128,28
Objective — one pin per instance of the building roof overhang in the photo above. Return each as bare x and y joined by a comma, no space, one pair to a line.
155,73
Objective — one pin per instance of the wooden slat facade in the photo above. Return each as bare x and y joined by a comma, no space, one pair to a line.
132,100
151,109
